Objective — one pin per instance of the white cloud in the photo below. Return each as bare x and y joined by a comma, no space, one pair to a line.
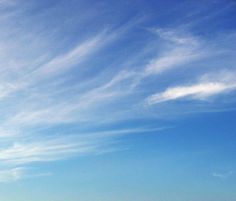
33,149
45,150
59,64
198,91
201,90
11,175
183,48
18,173
224,175
73,57
172,59
176,36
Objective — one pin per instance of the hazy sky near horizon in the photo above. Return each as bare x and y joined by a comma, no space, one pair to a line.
117,100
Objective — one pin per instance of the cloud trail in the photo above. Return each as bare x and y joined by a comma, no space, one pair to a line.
11,175
207,87
198,91
180,49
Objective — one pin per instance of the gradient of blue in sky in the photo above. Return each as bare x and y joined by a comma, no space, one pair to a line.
117,100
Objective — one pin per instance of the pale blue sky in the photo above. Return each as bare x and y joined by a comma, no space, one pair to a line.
117,100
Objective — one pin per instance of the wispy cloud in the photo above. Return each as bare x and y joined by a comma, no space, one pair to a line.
180,49
57,65
224,175
63,62
198,91
172,59
46,150
18,173
36,149
10,175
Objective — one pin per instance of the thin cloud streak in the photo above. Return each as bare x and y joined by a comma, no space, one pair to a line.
11,175
62,63
180,49
198,91
18,173
210,84
224,175
172,59
63,147
56,66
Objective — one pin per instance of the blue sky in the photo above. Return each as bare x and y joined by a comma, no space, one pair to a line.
117,100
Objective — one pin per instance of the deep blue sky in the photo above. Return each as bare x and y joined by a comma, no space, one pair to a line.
117,100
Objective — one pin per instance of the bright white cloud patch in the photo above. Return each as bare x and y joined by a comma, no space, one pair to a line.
198,91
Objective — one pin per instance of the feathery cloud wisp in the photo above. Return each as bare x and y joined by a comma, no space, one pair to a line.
200,91
181,49
75,56
224,175
10,175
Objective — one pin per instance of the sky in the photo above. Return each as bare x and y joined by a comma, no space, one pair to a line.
117,100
